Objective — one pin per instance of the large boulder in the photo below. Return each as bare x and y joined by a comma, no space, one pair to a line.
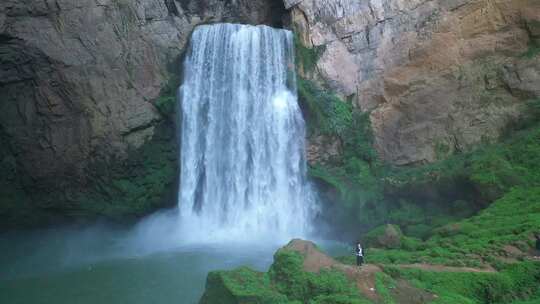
386,236
240,286
313,259
301,273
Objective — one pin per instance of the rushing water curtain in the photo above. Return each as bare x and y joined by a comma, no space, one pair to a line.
243,166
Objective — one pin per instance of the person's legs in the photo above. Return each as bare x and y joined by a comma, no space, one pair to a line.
361,260
358,260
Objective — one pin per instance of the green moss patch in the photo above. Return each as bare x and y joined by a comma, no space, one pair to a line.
306,58
476,241
327,113
518,281
289,278
423,199
242,285
166,103
285,282
383,285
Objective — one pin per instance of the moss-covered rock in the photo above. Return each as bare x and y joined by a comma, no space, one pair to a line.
387,236
143,182
119,189
287,281
167,103
423,198
240,286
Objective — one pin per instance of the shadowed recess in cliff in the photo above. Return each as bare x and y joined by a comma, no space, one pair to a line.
243,152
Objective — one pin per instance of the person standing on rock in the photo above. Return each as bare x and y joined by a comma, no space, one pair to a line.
359,255
537,247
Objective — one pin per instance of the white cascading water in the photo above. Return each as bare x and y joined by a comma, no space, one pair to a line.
243,166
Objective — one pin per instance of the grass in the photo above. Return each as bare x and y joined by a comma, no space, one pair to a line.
383,284
515,282
476,241
422,199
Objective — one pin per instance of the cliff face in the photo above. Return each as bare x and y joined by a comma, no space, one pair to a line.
437,76
79,87
86,86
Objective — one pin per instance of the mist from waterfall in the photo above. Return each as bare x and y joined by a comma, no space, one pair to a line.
243,166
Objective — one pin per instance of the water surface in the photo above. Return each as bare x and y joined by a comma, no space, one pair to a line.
102,265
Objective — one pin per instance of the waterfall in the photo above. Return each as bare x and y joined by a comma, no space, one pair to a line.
243,166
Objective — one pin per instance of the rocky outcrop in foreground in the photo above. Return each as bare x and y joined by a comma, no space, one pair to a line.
303,273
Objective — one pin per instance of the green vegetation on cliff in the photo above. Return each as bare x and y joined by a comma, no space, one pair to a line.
355,173
143,182
366,193
166,103
127,187
306,58
474,242
420,199
147,179
533,26
327,113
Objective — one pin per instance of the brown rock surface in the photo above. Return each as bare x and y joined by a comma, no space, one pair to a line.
323,149
387,236
438,76
314,259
